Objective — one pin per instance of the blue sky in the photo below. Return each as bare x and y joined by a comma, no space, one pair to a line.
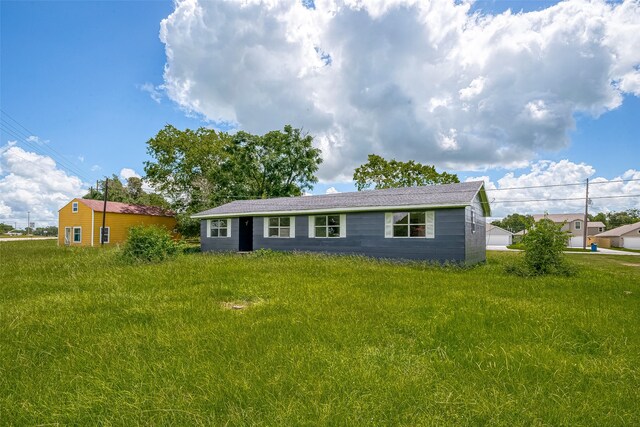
74,75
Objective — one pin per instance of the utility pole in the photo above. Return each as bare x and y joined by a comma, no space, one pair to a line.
28,221
104,211
586,217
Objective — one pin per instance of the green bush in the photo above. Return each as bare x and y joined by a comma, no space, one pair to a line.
149,244
544,247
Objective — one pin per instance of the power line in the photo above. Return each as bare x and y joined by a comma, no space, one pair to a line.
565,199
560,185
61,162
13,130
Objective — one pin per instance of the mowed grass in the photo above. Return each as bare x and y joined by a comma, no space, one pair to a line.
86,339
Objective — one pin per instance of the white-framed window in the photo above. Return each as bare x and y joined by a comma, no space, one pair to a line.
417,224
77,234
601,229
74,207
219,227
328,226
107,234
578,225
280,227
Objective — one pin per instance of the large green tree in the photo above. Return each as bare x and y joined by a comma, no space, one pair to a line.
201,169
515,222
381,173
187,166
278,164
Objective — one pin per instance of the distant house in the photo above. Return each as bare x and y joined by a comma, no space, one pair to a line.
574,224
80,221
14,233
625,236
497,236
438,222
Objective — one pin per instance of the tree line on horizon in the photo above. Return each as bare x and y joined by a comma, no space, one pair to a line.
517,222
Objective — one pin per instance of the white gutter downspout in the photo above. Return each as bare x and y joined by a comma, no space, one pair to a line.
92,226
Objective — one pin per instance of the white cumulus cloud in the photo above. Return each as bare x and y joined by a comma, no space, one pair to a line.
331,190
408,79
126,173
560,187
33,183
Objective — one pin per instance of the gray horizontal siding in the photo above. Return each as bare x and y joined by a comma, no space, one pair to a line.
365,236
476,241
219,244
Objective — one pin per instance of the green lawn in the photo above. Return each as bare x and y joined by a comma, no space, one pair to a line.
87,340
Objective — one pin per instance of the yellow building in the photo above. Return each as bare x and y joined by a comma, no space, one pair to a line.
80,221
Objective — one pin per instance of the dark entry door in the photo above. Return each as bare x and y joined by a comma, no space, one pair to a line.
245,236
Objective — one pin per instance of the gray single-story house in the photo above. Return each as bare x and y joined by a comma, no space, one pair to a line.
436,223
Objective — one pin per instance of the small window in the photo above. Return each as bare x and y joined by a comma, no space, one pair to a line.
600,229
578,225
282,226
219,228
106,234
327,226
74,207
77,234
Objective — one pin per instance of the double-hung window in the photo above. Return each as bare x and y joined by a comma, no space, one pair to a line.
328,226
74,207
219,228
410,224
105,233
280,226
77,234
578,225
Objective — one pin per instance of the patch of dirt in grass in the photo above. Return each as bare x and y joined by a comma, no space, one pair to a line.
630,264
240,305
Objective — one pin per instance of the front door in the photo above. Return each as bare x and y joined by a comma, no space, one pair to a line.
245,236
67,236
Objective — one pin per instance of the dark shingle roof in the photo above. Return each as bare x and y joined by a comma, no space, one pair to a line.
428,196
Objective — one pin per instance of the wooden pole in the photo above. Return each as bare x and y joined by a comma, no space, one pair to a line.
586,217
104,211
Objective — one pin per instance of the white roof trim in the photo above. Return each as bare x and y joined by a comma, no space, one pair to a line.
330,210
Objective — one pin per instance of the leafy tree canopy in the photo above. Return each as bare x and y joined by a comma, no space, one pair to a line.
129,192
201,169
616,219
515,222
278,164
381,173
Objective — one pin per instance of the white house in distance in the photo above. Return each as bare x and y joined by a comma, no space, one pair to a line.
497,236
625,236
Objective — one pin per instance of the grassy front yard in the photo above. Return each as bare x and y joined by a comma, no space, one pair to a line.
315,340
